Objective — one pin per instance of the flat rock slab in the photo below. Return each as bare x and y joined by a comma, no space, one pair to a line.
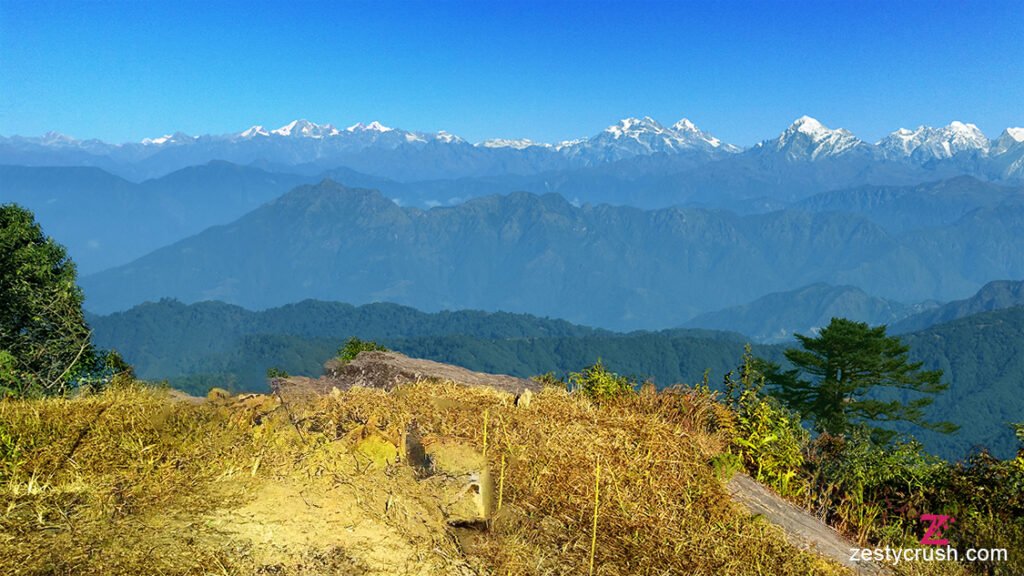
386,370
802,529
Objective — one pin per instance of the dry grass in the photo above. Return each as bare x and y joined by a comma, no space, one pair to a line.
131,481
663,509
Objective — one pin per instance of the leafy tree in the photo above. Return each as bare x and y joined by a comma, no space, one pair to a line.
852,375
44,340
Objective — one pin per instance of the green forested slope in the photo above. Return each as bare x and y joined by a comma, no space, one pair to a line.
982,357
214,344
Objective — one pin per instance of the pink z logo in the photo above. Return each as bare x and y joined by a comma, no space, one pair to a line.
933,533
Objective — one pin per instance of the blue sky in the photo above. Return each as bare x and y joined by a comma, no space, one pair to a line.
542,70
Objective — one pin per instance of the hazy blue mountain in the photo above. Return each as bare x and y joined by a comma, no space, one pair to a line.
906,208
602,265
777,317
995,295
614,267
105,220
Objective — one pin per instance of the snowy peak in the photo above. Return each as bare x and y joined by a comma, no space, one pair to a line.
374,126
305,129
254,131
686,126
642,136
809,126
634,128
157,141
176,138
808,139
57,139
515,144
817,131
447,138
688,131
927,143
1010,139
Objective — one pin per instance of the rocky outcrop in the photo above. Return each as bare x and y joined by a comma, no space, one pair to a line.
386,370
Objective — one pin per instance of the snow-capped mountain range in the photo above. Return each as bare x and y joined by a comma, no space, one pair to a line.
808,139
367,146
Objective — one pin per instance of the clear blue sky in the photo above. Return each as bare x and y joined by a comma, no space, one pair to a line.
546,70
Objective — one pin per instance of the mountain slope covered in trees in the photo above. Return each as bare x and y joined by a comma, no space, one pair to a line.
214,344
615,267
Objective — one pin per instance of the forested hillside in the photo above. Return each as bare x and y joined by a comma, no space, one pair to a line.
982,357
610,266
210,344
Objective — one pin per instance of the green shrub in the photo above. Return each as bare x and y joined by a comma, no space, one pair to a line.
354,346
726,464
768,438
10,377
597,382
275,372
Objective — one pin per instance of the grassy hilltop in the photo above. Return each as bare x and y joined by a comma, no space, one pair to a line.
137,480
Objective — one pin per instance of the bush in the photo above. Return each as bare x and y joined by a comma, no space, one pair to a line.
274,372
597,382
768,437
354,346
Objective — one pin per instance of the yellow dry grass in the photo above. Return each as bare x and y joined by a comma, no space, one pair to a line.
133,481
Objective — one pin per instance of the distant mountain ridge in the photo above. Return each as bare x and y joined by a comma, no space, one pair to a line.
903,209
105,220
778,317
408,155
996,295
614,267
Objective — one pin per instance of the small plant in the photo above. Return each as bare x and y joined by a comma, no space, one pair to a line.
769,438
726,465
549,379
354,346
597,382
10,378
275,372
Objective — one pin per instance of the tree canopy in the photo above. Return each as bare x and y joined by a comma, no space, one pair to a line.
44,339
853,375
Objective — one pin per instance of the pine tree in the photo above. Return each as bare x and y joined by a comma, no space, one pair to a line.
853,375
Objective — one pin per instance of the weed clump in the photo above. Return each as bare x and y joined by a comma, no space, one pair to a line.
354,346
599,383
